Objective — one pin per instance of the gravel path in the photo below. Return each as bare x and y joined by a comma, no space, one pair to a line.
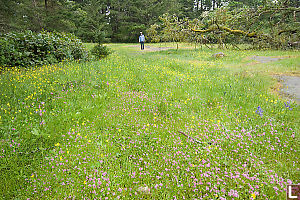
291,87
265,59
291,84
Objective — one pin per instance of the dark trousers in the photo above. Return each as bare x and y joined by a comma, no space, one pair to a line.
142,45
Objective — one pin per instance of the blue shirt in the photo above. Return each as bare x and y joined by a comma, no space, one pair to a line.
142,38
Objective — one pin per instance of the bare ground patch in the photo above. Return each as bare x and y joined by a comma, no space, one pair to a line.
149,48
265,59
289,86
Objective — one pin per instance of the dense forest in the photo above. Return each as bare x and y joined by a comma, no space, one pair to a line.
122,20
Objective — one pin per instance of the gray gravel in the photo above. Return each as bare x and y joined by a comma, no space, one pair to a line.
265,59
291,84
291,87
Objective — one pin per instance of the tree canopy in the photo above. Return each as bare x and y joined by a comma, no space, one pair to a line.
122,20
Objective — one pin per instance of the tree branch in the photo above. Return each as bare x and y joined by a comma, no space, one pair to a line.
233,31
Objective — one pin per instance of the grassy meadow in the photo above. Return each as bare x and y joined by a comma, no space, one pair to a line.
113,129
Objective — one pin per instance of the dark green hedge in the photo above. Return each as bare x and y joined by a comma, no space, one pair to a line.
28,48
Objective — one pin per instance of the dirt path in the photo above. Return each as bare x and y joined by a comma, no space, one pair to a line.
151,48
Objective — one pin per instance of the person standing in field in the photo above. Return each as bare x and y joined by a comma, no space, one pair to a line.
142,40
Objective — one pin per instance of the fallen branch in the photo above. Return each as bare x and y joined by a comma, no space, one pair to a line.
188,136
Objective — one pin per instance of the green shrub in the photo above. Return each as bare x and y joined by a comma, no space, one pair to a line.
33,49
100,51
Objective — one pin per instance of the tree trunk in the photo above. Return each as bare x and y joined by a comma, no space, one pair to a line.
201,6
37,14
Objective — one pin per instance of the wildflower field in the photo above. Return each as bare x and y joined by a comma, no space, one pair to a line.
150,125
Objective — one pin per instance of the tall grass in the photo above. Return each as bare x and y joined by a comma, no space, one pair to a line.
105,129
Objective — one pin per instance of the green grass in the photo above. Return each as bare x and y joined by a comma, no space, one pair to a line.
106,128
89,46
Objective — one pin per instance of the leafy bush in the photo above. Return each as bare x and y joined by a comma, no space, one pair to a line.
100,51
32,49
